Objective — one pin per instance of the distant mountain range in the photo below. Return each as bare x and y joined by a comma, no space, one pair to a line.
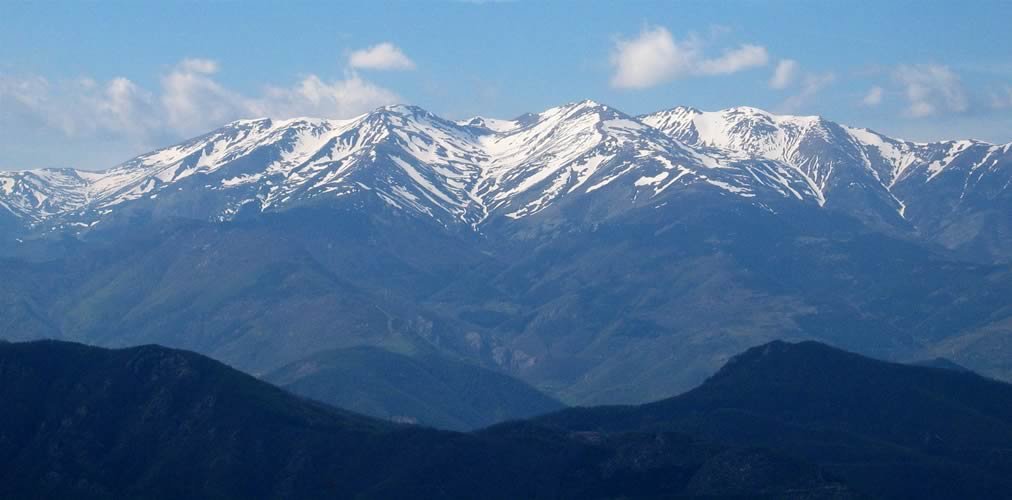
596,256
469,173
798,421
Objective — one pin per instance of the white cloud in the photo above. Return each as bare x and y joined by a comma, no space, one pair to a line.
381,56
197,65
651,58
122,106
873,97
655,57
930,89
189,101
78,107
811,85
193,101
785,74
314,97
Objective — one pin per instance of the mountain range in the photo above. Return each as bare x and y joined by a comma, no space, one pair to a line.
597,256
474,172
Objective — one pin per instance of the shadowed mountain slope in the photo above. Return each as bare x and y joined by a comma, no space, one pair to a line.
426,389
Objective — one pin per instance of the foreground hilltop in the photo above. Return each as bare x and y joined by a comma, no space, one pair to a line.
781,420
151,422
890,430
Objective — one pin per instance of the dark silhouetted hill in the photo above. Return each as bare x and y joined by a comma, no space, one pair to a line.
151,422
887,429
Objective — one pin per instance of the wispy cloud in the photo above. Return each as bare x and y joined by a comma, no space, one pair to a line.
383,56
873,97
811,85
930,89
784,74
735,60
1001,98
655,56
805,85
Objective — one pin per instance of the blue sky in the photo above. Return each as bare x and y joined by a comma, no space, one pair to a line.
88,84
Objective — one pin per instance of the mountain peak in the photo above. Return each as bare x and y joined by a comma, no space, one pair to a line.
586,105
778,351
750,111
403,109
683,110
246,122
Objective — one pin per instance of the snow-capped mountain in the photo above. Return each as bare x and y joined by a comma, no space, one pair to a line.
818,148
467,172
829,155
953,191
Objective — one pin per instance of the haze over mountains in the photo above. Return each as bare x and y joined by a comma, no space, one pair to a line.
425,389
600,257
